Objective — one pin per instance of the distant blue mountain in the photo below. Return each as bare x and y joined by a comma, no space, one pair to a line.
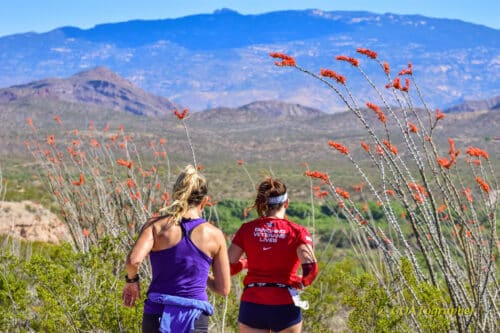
225,29
221,59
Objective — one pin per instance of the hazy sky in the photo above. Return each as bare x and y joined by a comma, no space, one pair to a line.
18,16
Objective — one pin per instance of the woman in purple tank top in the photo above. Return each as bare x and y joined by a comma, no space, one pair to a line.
182,248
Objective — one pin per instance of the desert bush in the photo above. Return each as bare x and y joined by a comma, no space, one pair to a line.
58,289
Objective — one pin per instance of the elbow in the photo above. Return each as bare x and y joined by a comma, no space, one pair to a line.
223,290
132,263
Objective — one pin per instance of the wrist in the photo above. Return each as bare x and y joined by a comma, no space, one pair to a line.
134,279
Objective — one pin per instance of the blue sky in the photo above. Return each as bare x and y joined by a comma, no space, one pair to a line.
18,16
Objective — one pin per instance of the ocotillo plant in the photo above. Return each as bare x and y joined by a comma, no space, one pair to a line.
452,240
101,181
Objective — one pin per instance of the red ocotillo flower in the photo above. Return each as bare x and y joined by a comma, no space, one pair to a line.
57,119
128,164
320,194
181,115
341,148
369,53
387,69
199,167
468,194
162,141
352,61
333,75
444,162
376,109
379,150
94,143
365,146
165,197
396,83
391,147
452,147
407,71
130,183
317,174
477,152
413,128
286,60
135,196
406,88
51,139
358,188
106,128
483,184
240,162
29,121
418,188
418,197
439,114
390,192
342,193
79,182
85,232
441,208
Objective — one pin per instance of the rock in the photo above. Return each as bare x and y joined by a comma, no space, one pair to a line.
31,221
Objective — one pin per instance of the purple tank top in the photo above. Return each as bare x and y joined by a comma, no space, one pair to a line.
181,270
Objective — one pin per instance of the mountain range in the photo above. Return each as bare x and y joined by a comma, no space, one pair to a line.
222,59
257,130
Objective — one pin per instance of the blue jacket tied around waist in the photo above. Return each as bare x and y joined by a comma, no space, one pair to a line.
180,313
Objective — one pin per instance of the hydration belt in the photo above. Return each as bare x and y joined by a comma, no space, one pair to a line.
293,292
265,284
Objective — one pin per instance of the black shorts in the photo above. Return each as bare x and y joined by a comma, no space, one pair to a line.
273,317
151,323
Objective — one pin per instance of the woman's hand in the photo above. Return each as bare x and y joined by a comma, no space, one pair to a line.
131,292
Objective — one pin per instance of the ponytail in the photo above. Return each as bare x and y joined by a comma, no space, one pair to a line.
267,189
189,190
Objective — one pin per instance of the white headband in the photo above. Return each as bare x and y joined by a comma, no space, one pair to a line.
278,200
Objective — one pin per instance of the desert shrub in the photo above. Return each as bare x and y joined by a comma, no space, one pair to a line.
60,290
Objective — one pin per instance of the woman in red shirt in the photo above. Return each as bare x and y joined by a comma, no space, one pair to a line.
275,248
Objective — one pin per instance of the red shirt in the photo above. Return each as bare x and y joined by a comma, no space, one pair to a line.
271,248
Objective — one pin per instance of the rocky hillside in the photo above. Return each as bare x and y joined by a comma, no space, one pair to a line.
98,87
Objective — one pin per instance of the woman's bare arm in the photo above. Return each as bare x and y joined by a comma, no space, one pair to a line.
142,247
220,282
